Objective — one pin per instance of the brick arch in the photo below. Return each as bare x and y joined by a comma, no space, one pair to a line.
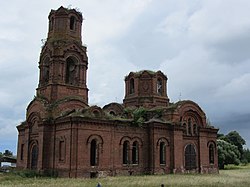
211,142
37,107
44,57
95,111
34,116
33,120
139,140
76,52
114,107
98,139
125,138
74,56
162,139
190,108
95,136
194,115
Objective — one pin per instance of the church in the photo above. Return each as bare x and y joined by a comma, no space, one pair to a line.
145,134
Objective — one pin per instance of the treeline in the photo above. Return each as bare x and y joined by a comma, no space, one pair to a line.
231,151
6,153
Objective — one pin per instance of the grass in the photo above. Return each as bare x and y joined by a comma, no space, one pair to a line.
231,176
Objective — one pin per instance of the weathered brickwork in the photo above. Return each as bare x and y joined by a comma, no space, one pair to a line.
146,134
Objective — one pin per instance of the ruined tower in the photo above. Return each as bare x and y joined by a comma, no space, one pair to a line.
63,60
146,88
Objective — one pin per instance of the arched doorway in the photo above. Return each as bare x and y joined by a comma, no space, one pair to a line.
190,157
34,157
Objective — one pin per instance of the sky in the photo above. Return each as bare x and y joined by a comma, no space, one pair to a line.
202,46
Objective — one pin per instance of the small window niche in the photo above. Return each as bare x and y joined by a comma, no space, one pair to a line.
131,86
72,24
135,153
51,24
22,150
62,150
162,153
125,152
159,87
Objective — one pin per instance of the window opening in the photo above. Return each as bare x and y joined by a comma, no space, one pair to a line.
126,152
159,87
211,154
93,153
22,149
162,153
51,27
72,23
185,128
112,113
71,71
195,129
135,153
45,71
96,113
131,86
189,126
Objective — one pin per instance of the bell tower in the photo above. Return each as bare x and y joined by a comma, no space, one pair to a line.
63,60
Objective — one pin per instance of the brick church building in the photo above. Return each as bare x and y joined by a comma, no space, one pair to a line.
146,134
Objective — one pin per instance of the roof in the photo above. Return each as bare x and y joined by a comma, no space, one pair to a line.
150,72
8,159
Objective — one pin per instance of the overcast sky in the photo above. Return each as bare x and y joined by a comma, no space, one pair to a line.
202,46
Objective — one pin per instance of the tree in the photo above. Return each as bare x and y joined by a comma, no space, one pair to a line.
7,153
234,138
227,153
246,156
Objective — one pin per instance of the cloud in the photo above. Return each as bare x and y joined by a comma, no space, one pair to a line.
235,121
202,46
108,20
236,87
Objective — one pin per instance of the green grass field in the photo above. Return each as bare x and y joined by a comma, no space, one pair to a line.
231,176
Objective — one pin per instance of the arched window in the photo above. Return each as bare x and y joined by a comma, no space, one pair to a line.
211,154
22,150
51,24
135,153
162,153
189,127
71,71
159,87
185,128
195,129
190,157
112,113
131,86
34,157
45,71
72,23
96,113
126,152
93,153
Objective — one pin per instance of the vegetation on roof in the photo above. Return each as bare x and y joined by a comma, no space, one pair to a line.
137,73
